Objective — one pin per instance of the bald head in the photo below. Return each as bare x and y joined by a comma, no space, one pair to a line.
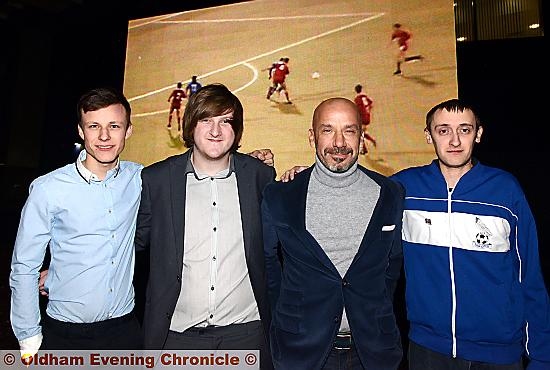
336,133
334,104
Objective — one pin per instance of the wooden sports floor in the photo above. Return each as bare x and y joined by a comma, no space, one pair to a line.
346,42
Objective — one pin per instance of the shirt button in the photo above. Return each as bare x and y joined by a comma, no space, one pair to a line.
215,228
211,288
211,316
214,203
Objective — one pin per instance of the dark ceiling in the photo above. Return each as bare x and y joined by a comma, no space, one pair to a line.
17,11
21,10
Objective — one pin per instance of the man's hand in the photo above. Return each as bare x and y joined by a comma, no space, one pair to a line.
29,347
264,155
288,175
41,281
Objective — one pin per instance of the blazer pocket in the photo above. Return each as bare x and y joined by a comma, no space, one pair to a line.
387,323
288,313
388,332
387,232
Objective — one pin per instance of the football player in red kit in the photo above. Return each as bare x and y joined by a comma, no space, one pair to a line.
279,73
402,37
364,104
175,99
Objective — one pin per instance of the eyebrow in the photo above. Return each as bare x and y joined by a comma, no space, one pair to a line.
224,116
448,124
99,123
347,125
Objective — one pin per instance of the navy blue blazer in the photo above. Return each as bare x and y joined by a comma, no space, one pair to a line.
161,230
308,295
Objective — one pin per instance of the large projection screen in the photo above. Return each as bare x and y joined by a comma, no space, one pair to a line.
345,42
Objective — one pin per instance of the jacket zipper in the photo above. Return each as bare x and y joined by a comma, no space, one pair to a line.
452,270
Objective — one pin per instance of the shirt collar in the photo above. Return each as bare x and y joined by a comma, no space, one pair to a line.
336,179
223,174
88,175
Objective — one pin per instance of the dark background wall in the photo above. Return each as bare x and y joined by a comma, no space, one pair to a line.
52,54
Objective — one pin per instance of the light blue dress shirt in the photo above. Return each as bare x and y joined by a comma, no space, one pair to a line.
89,226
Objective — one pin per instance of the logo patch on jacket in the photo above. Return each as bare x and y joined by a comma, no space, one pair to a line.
483,237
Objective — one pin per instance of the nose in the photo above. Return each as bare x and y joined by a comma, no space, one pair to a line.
339,140
455,139
104,134
215,129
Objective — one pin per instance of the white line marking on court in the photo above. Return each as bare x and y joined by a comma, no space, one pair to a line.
159,19
154,20
244,62
259,19
254,78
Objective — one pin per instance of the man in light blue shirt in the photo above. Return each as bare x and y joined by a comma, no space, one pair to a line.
85,212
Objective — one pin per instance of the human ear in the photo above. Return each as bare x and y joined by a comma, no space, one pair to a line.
129,131
478,134
311,138
428,136
80,132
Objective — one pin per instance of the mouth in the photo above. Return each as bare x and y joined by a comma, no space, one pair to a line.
105,147
339,154
215,140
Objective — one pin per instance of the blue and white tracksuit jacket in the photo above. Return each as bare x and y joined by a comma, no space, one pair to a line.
474,287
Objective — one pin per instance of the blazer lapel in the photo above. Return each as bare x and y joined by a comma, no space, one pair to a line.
296,208
374,227
244,188
178,186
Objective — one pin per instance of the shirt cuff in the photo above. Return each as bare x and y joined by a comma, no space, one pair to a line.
30,346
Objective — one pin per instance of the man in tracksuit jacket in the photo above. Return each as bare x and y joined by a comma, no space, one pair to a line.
474,289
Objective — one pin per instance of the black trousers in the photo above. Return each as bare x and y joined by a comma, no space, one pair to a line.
245,336
422,358
343,359
114,334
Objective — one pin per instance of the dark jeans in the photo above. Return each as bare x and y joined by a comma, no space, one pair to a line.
114,334
421,358
343,359
236,336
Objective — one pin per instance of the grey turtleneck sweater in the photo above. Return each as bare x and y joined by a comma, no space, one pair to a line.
339,207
